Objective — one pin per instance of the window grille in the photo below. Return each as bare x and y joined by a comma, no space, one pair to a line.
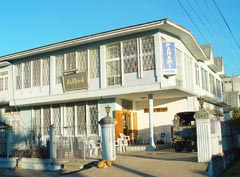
81,118
82,60
18,76
69,119
36,72
113,65
93,113
148,53
27,74
130,56
59,64
94,62
70,61
46,120
45,71
15,123
56,118
37,121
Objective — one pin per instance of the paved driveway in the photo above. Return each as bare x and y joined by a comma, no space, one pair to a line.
162,163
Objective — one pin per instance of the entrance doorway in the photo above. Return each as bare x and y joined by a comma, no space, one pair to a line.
126,124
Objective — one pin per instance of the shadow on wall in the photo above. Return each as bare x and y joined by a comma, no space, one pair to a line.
159,131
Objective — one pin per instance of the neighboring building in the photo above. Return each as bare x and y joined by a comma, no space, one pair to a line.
231,92
69,83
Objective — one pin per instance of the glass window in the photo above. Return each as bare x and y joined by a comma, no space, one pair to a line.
36,124
82,61
45,71
94,62
148,55
113,64
70,60
56,117
81,118
93,114
69,119
59,64
18,76
130,56
27,74
36,72
46,120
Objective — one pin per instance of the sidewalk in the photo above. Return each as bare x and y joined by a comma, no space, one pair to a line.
165,163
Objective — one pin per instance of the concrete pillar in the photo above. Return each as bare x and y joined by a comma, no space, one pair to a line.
9,140
151,146
52,142
204,144
108,136
219,132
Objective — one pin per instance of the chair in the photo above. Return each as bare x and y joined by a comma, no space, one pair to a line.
125,138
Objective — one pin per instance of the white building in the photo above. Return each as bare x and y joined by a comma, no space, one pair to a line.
69,83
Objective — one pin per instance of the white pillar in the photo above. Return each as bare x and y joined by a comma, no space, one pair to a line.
204,141
151,145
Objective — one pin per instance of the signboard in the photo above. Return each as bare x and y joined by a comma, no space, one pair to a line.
75,81
163,109
169,58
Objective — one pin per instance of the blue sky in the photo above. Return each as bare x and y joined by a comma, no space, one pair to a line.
27,24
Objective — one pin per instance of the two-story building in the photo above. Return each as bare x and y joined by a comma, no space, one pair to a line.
156,67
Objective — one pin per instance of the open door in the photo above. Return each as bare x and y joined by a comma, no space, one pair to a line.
126,124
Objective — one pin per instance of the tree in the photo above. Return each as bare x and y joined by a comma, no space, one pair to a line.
235,121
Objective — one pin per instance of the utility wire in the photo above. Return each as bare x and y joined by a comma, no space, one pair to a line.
191,20
226,23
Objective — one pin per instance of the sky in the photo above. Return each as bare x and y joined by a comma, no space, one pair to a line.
27,24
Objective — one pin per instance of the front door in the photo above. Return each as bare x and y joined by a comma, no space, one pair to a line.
126,124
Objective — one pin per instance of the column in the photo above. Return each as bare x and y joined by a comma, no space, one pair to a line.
204,143
151,146
52,143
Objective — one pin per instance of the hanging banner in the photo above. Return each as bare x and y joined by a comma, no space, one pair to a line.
169,58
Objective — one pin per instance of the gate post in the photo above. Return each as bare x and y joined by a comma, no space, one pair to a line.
204,143
108,136
9,139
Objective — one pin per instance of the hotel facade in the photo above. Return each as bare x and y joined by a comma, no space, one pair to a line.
146,73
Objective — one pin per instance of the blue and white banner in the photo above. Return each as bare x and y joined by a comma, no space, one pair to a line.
169,58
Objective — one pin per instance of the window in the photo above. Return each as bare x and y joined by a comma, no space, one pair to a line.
148,56
82,61
113,64
69,119
212,84
46,120
130,56
18,75
45,71
36,72
219,90
27,74
56,117
197,79
81,118
36,122
204,79
3,81
93,114
15,123
94,62
59,64
70,60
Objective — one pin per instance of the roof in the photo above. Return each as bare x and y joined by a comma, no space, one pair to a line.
164,25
